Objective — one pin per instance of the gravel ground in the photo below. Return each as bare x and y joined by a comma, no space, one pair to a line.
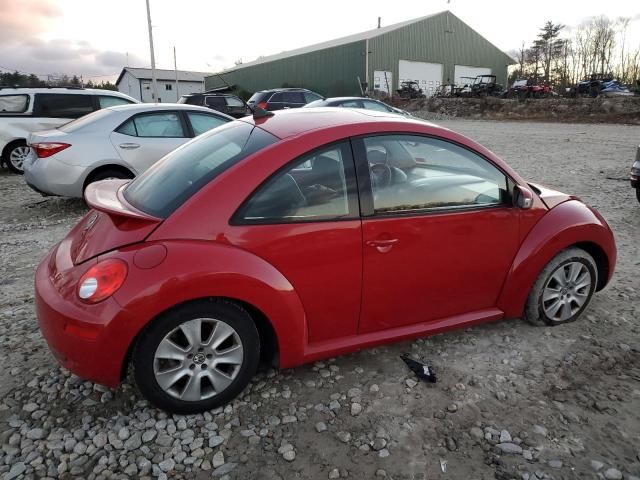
512,400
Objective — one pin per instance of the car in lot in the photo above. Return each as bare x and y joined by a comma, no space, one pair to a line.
27,110
357,102
115,142
222,102
281,98
634,175
298,235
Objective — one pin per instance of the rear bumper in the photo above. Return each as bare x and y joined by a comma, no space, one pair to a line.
83,338
49,176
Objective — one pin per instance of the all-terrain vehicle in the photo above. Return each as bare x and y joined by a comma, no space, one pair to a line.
590,86
485,85
410,90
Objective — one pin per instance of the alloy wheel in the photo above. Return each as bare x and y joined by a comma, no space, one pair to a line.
198,359
18,156
566,291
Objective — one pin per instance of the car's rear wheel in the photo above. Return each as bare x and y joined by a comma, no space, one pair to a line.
564,288
16,154
107,174
638,194
196,357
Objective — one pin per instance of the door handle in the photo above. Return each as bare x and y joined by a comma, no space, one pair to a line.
128,146
383,246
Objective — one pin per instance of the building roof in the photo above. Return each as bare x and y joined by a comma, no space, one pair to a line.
164,75
369,34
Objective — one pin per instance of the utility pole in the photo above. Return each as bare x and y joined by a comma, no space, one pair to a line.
175,67
154,83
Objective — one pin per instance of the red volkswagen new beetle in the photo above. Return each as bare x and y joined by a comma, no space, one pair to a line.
303,235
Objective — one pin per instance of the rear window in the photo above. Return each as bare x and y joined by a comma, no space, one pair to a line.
258,97
84,121
14,103
62,105
179,175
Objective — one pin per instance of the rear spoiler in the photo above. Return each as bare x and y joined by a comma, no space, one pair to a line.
106,196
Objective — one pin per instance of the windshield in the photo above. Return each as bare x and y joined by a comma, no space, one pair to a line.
85,120
173,180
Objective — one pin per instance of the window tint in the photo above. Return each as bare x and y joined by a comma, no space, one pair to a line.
216,102
293,97
105,101
174,179
14,103
61,105
234,102
258,97
201,122
416,173
369,105
128,128
277,97
311,97
318,186
158,125
197,100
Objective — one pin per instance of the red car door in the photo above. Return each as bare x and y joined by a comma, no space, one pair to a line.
304,221
439,232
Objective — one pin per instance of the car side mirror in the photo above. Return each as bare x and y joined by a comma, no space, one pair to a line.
523,196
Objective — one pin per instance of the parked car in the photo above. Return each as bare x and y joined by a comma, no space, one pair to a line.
116,142
222,102
279,98
634,175
26,110
319,233
357,102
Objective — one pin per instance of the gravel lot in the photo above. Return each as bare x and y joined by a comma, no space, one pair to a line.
512,400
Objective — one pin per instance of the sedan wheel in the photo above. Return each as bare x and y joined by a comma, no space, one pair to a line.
563,289
196,357
16,157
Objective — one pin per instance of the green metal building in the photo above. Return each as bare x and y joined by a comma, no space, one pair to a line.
431,50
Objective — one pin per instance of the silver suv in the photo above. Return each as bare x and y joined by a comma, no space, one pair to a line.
27,110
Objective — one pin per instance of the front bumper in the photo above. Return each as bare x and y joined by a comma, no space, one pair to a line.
49,176
85,339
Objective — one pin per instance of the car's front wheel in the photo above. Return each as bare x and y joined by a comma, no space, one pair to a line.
196,357
563,289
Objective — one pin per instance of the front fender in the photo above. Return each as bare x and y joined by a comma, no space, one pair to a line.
198,269
568,224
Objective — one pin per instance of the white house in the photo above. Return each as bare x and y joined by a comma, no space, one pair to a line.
136,82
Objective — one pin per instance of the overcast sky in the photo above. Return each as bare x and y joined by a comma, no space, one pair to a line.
93,38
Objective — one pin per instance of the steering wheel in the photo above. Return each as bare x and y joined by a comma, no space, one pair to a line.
380,175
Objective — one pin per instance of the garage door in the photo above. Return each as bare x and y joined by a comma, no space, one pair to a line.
466,71
428,75
382,81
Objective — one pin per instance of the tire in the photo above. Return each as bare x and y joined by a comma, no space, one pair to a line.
638,194
580,268
167,383
15,156
106,174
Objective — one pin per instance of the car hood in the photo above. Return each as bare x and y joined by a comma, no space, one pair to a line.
111,223
551,197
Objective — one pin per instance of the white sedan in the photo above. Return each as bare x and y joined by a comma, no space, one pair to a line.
115,142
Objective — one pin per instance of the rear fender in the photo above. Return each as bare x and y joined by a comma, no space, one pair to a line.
190,270
570,223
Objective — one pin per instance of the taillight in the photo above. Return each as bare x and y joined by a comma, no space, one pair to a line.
262,105
46,149
102,280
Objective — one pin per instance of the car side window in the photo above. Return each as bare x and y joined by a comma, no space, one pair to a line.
369,105
351,104
62,105
311,97
413,173
202,122
167,125
277,97
293,97
319,186
14,103
105,101
234,102
216,102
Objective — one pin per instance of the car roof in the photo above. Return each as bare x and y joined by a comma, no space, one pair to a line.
286,123
146,107
292,89
66,90
344,99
